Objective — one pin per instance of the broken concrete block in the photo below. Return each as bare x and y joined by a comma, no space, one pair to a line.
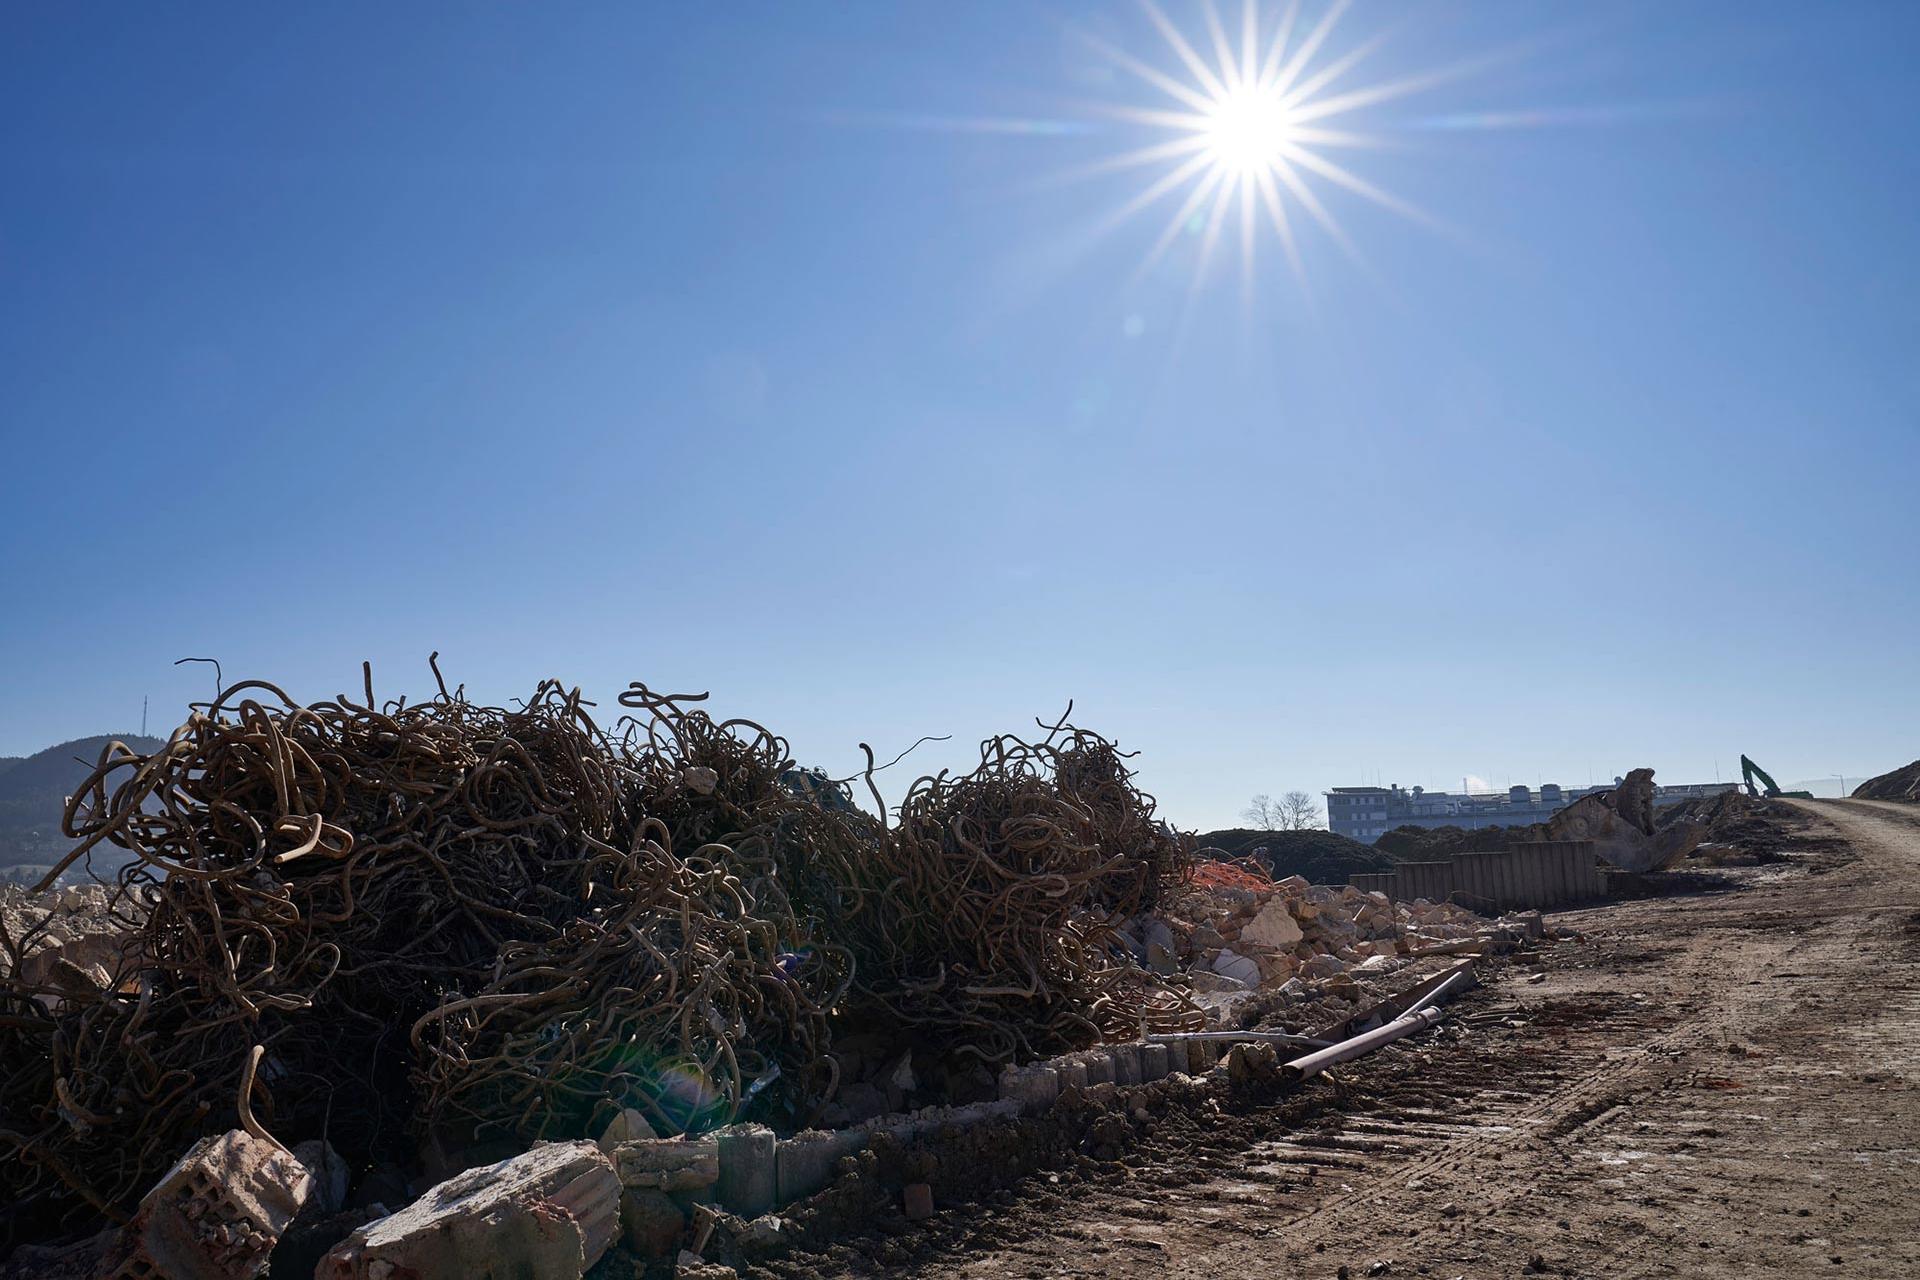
1155,1062
762,1235
1034,1087
748,1179
216,1214
329,1171
628,1126
1231,964
1126,1063
1273,927
671,1164
1072,1072
550,1212
916,1201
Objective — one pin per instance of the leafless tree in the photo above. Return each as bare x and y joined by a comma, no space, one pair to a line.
1265,814
1297,812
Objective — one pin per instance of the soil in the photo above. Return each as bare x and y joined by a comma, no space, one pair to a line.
1317,856
1901,784
1699,1084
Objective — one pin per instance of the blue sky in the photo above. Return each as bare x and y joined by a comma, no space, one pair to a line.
693,345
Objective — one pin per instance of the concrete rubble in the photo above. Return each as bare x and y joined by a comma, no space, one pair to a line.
1240,933
549,1213
74,937
216,1215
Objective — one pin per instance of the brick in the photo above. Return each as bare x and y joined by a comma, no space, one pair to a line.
215,1215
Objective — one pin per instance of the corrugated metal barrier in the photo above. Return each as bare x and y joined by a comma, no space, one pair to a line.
1545,873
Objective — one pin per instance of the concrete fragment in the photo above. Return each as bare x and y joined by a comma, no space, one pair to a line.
1072,1072
1155,1062
1126,1063
329,1171
671,1164
549,1213
628,1126
216,1214
916,1201
748,1181
763,1234
1274,926
1232,964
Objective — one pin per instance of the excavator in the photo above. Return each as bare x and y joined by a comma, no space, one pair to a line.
1749,771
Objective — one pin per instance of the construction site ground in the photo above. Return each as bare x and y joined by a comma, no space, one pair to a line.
1719,1081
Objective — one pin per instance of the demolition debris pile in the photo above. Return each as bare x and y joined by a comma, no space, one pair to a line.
434,927
1236,931
1901,784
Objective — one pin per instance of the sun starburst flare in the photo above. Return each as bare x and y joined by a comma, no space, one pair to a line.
1248,131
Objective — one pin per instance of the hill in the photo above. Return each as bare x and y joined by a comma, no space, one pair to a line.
1901,784
34,791
1320,857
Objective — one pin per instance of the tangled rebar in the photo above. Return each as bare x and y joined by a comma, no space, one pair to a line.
388,923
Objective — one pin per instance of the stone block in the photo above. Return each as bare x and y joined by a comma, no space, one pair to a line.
916,1201
1231,964
1072,1073
748,1181
1155,1062
1099,1067
1126,1063
1034,1087
550,1212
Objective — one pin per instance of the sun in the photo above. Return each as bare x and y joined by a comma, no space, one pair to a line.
1247,130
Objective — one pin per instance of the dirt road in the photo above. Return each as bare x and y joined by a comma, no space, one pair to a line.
1720,1084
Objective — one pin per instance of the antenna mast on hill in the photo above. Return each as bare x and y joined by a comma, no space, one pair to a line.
143,715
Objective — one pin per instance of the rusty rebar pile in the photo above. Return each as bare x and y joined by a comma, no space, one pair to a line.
387,924
989,930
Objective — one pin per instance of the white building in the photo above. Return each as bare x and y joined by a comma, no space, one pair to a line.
1367,813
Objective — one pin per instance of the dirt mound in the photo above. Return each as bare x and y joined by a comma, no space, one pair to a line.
1437,844
1901,784
1319,857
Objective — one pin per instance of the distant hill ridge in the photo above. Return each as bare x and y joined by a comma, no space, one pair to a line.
34,791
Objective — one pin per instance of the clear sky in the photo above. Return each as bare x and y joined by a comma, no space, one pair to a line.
760,348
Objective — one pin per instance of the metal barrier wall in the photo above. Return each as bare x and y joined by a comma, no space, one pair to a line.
1543,873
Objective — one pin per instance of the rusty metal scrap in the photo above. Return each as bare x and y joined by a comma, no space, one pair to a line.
388,924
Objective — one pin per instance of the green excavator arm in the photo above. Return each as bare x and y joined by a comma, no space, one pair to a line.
1749,771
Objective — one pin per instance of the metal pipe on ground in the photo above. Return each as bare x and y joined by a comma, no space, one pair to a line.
1421,1014
1405,1025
